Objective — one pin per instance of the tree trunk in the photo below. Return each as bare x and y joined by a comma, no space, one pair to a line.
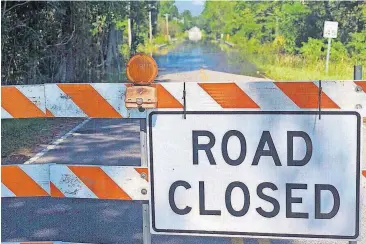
110,50
69,47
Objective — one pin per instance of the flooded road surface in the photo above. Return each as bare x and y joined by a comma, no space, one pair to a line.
189,56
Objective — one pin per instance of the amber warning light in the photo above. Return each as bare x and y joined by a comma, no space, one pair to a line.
141,69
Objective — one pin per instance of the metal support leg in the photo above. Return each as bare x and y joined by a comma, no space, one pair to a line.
146,224
146,235
357,72
264,241
237,240
143,142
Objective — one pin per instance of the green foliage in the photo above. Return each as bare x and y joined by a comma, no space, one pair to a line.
294,21
175,27
313,50
121,24
357,46
66,41
338,52
98,25
168,7
292,24
160,39
279,44
124,50
188,20
285,35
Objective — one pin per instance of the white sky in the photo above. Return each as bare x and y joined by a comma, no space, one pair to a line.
195,6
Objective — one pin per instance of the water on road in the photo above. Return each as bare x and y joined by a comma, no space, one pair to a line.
189,56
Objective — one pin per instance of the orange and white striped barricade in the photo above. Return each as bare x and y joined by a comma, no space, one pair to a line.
100,100
75,181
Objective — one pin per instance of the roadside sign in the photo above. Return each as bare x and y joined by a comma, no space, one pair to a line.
330,29
253,173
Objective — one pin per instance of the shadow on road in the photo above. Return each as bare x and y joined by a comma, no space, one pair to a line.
100,142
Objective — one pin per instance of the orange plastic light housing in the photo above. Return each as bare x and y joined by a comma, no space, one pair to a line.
141,69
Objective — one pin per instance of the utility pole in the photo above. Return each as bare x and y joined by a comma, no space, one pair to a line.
150,26
167,26
277,26
129,26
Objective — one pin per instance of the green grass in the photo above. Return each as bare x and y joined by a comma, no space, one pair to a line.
295,68
278,72
24,134
289,67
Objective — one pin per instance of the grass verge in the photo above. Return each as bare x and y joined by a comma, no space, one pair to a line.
296,71
294,67
20,137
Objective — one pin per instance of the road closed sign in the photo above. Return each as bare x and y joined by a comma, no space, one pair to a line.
280,174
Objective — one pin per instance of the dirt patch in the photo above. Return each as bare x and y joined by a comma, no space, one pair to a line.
23,138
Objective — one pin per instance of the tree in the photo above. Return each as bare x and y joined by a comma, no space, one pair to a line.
47,42
168,7
285,26
188,19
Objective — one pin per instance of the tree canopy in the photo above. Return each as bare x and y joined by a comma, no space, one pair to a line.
287,24
69,41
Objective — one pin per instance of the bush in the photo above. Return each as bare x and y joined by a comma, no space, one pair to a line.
357,47
160,39
313,50
278,44
124,50
338,52
147,48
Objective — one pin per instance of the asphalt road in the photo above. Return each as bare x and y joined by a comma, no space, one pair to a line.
98,142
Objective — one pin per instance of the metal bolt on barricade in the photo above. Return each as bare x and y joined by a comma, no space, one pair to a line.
143,175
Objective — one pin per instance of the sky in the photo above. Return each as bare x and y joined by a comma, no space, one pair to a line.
195,6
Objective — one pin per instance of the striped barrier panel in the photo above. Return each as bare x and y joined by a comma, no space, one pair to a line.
77,181
23,101
101,100
103,182
25,180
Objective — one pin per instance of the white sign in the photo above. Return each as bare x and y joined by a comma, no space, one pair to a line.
280,174
330,29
